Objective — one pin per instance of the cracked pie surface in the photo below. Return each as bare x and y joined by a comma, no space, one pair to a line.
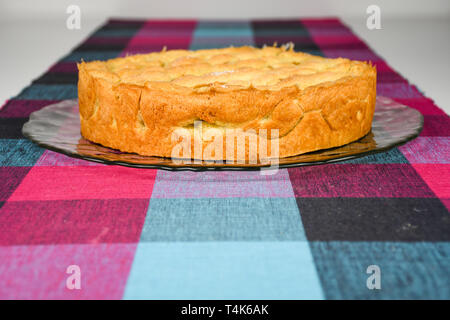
299,101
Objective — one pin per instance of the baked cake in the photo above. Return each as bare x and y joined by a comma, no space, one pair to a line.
300,101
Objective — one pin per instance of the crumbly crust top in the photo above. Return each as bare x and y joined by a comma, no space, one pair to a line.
269,68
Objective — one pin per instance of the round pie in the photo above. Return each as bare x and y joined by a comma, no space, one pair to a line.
152,104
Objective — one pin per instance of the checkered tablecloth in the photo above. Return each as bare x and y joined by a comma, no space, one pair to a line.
307,232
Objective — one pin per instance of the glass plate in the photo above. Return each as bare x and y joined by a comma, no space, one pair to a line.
57,127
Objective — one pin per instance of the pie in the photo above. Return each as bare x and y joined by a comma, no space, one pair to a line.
151,103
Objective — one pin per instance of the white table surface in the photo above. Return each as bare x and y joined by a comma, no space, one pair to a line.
418,49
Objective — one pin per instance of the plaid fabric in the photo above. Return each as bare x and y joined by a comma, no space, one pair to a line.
307,232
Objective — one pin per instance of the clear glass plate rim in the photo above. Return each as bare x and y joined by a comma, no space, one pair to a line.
218,167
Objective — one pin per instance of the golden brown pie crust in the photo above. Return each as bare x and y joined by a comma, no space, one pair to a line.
135,103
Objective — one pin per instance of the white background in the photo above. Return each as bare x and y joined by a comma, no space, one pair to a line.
414,39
